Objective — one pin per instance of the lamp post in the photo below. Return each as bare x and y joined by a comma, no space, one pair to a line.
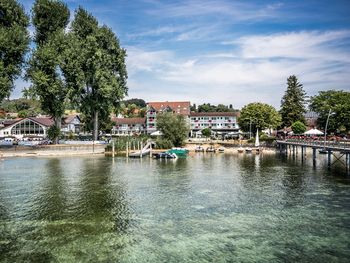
325,130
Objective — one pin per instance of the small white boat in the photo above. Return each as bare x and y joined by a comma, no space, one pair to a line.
221,149
199,149
248,150
210,149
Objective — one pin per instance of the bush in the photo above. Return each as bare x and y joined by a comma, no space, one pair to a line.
162,143
298,127
53,132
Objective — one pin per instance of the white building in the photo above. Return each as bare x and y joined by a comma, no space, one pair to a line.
71,123
26,127
219,122
128,126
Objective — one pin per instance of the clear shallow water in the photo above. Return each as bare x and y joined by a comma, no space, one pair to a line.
206,208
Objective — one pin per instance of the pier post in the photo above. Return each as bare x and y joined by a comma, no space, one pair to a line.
302,154
314,157
140,145
329,159
127,149
113,148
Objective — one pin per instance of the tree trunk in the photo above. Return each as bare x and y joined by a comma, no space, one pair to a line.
95,131
58,124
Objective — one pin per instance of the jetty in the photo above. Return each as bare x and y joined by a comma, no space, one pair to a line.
146,150
342,148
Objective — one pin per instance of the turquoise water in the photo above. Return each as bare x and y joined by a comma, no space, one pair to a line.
206,208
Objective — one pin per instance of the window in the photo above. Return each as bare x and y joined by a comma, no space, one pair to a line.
27,127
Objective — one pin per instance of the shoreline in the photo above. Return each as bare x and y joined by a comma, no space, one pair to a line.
52,150
99,149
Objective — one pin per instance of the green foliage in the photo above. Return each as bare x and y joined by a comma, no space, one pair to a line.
173,127
162,143
140,103
293,103
14,41
23,114
53,133
298,127
32,107
193,108
260,115
206,132
94,67
339,104
49,18
207,107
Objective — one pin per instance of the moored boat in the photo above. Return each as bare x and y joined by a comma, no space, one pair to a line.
323,151
240,150
180,152
221,149
164,155
210,149
248,150
199,149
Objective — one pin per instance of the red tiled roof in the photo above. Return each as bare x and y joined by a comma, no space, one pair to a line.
129,120
181,107
10,122
214,114
70,118
43,121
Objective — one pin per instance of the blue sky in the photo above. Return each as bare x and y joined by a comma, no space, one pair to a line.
226,51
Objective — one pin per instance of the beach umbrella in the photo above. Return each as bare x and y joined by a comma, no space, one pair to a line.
257,143
313,132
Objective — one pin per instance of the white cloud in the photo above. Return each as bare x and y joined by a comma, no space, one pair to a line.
238,11
300,45
139,60
256,70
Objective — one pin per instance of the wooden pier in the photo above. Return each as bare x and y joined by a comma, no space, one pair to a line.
342,148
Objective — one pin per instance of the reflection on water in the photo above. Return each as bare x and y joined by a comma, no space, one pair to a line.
206,208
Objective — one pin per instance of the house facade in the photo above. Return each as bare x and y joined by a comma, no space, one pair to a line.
128,126
154,108
27,127
219,122
71,124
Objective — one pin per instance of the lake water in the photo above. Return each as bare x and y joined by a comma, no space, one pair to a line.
206,208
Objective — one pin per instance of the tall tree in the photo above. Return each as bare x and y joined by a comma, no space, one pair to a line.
338,102
293,103
95,67
50,19
258,115
14,41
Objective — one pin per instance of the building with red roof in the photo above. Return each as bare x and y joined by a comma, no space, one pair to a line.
153,108
26,127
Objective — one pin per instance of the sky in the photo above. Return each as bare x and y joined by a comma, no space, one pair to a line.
226,51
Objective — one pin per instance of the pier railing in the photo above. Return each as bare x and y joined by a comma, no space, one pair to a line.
341,145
